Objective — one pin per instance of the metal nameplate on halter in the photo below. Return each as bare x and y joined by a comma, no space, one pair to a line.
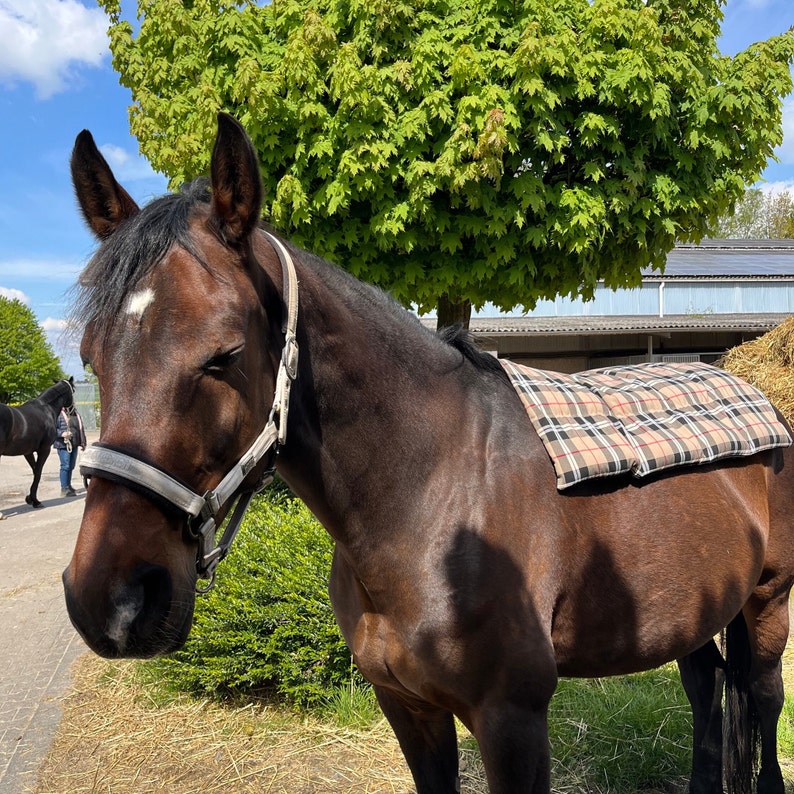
290,356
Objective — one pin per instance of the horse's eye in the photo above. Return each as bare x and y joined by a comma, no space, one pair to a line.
218,364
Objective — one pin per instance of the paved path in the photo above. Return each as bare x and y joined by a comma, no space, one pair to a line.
37,641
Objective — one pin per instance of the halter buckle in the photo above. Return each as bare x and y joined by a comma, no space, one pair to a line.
204,589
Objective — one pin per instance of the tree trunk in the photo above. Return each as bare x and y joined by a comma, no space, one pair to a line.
452,312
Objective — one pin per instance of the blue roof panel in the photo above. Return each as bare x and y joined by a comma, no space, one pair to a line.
713,258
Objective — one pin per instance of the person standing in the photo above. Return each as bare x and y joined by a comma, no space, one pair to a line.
69,436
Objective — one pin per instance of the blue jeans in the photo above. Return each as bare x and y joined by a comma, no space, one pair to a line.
68,460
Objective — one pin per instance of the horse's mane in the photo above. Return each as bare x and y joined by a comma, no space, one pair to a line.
360,292
384,305
55,393
136,247
462,340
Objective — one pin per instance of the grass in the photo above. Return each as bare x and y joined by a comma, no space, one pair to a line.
354,706
624,734
124,733
121,735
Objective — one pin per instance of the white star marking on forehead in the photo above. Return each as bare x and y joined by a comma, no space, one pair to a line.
138,302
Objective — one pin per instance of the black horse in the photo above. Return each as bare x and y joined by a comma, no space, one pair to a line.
29,430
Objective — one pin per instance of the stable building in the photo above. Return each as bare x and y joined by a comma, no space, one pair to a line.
712,296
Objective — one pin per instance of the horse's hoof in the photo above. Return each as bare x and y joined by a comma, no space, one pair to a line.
37,503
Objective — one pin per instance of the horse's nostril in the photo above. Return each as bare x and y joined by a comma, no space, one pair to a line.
152,589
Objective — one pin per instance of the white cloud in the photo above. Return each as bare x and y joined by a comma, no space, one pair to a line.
786,186
128,167
14,295
54,325
42,42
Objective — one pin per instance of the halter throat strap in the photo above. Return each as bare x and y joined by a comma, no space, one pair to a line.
202,510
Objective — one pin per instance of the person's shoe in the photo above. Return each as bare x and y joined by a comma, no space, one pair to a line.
68,492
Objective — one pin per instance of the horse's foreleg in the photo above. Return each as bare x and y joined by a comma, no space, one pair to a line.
703,677
428,741
36,463
510,721
514,744
767,628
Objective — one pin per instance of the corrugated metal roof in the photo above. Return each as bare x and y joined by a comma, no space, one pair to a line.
594,326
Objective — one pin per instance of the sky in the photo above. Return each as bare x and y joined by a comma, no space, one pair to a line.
56,79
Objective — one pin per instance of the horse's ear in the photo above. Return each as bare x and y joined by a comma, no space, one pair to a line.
236,185
104,202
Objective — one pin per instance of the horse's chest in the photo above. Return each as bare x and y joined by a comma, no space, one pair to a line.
389,649
377,651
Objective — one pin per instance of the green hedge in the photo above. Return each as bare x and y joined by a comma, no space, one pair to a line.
268,624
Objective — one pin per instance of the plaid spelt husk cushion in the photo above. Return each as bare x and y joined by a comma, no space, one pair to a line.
642,419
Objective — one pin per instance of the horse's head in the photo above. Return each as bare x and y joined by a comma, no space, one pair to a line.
62,393
183,331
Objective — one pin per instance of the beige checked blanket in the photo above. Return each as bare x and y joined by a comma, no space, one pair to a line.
644,418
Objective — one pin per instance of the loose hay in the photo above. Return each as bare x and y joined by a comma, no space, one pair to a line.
768,364
115,738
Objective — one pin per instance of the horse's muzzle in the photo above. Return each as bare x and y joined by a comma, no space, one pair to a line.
137,620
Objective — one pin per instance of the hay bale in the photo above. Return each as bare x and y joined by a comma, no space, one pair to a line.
768,364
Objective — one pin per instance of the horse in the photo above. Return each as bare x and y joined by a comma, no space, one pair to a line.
463,581
29,429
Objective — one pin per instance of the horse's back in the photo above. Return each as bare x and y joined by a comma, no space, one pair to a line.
26,429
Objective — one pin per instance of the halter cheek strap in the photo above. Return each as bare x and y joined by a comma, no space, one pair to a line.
129,470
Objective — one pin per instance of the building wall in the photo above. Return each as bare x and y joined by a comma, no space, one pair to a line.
577,352
676,297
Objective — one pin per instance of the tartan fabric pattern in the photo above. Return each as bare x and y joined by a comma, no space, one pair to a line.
645,418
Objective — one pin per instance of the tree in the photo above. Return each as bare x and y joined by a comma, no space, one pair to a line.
759,215
27,364
466,151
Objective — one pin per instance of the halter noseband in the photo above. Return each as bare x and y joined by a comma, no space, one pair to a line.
135,473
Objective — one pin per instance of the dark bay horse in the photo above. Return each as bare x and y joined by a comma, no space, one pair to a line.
463,581
29,429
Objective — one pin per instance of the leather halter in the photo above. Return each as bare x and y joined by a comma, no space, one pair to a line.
129,470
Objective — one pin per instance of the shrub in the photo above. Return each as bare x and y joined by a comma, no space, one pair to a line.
268,623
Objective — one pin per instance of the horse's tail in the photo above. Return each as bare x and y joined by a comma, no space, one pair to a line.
741,719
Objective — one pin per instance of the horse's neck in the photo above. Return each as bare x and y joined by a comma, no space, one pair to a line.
365,351
365,414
